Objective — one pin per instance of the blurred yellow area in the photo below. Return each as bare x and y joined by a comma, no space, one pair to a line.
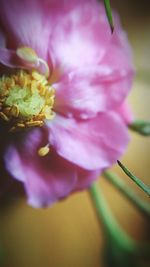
68,234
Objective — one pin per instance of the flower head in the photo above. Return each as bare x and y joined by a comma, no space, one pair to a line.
64,80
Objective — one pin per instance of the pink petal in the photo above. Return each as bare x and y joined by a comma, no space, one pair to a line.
2,39
10,59
96,73
126,113
86,178
87,91
91,144
46,179
26,23
80,36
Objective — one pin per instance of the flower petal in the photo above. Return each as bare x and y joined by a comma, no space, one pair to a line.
96,72
83,36
86,178
90,90
26,23
126,113
2,39
91,144
10,59
46,179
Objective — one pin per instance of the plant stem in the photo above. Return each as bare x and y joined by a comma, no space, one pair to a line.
112,228
143,186
142,206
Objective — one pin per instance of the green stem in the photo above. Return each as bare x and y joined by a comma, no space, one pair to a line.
142,206
113,229
143,186
109,14
111,226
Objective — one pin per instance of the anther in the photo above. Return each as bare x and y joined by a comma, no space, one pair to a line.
3,116
43,151
14,111
34,123
28,55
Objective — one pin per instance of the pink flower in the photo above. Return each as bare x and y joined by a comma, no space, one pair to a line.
91,72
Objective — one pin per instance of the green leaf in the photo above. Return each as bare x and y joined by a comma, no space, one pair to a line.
119,184
143,186
141,127
109,14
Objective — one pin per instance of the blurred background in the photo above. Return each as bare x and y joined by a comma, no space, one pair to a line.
69,234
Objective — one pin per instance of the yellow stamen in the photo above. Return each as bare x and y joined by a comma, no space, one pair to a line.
43,62
27,54
14,111
43,151
3,116
34,123
26,100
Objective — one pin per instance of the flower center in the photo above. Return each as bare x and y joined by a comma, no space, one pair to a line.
26,100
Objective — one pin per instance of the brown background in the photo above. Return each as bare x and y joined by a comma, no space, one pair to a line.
68,234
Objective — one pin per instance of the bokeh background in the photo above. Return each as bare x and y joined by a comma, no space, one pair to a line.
68,234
